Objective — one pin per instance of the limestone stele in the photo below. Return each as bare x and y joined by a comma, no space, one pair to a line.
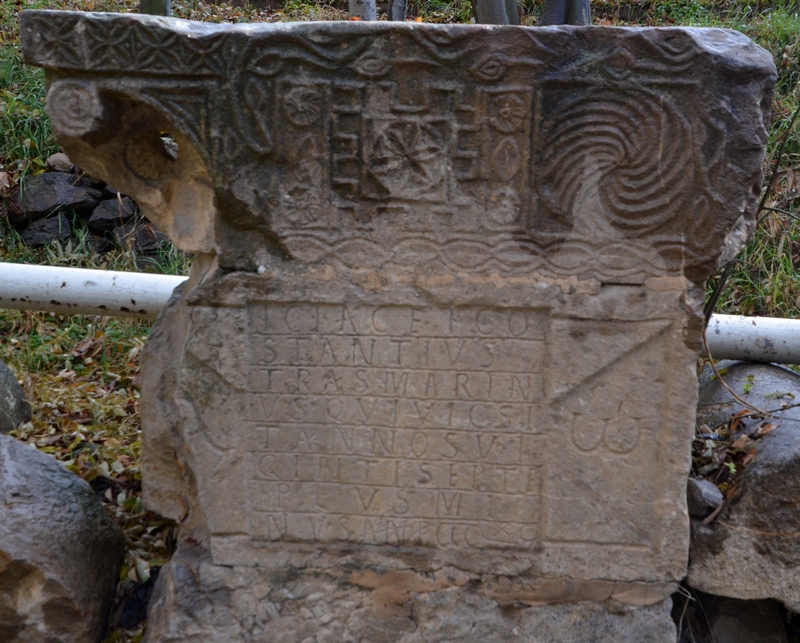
433,375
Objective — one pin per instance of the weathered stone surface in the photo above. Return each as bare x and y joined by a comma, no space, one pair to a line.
110,214
59,551
44,231
751,550
47,193
14,408
221,604
702,497
440,337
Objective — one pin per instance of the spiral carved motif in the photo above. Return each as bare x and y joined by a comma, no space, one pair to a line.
75,109
626,153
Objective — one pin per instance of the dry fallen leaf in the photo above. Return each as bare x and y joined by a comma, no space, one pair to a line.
83,347
765,428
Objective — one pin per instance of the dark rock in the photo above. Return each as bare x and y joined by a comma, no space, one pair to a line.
97,184
766,386
131,610
706,618
60,551
110,192
142,237
751,551
44,231
111,214
60,162
47,193
702,497
737,621
14,408
100,244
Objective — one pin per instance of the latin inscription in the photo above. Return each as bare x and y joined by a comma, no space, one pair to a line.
396,425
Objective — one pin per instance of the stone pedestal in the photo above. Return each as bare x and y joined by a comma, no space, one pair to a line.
433,377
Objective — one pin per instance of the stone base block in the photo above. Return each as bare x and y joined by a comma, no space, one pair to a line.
197,600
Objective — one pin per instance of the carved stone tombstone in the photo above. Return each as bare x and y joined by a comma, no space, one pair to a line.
433,377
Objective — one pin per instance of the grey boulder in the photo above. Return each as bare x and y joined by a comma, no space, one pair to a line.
751,550
59,551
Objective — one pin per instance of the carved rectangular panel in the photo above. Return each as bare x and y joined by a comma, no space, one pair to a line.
512,434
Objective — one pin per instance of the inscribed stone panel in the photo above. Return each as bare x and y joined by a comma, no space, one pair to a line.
391,424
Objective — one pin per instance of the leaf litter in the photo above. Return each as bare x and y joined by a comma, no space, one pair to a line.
721,455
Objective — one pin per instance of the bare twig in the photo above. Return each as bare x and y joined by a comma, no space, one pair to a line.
710,517
782,211
687,596
736,397
782,534
711,304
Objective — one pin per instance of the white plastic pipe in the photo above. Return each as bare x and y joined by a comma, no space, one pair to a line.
76,291
757,339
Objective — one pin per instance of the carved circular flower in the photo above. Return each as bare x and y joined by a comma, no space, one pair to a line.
303,105
74,109
301,206
406,158
507,113
504,206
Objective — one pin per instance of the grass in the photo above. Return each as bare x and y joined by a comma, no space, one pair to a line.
26,139
81,373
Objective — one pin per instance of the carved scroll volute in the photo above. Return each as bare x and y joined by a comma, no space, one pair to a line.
138,151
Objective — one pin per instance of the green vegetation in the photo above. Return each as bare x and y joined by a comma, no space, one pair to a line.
81,373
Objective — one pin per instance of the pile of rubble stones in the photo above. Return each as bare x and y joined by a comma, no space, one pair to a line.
63,201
